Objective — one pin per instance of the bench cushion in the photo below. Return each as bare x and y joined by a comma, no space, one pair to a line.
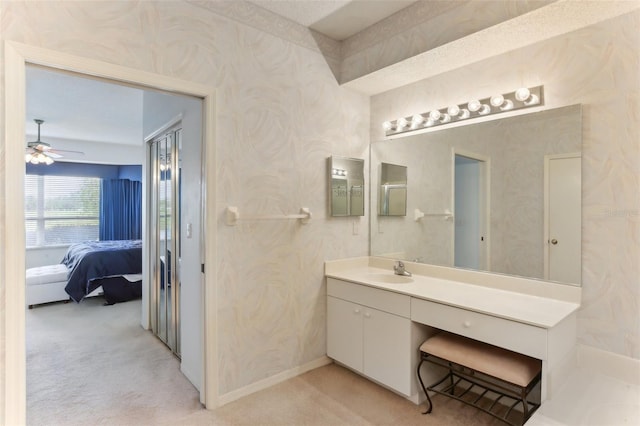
46,274
501,363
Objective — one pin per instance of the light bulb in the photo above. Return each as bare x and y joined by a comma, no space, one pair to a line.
464,113
508,104
497,100
387,125
48,161
474,105
28,157
429,123
416,120
533,100
401,123
34,160
445,118
434,115
522,94
453,110
484,109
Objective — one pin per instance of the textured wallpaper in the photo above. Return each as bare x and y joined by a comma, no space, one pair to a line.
597,67
280,114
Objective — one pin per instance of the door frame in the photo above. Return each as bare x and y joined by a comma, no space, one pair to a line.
485,199
16,57
547,204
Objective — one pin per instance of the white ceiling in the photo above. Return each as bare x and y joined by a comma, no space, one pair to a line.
82,109
337,19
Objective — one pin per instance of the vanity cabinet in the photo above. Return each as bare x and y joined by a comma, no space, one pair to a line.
370,331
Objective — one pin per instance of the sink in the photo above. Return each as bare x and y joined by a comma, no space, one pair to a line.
389,278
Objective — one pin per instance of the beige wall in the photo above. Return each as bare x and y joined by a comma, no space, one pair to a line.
280,114
598,67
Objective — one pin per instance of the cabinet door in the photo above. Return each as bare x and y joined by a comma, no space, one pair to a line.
387,349
344,332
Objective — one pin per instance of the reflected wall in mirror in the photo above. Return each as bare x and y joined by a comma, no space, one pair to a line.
509,214
346,186
392,198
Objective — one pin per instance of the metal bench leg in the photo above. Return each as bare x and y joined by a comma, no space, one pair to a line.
430,407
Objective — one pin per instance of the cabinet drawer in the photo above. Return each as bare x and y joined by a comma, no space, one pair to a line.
512,335
387,301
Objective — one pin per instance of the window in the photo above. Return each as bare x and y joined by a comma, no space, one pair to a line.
61,210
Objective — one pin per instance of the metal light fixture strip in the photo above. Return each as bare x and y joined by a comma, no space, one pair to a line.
512,101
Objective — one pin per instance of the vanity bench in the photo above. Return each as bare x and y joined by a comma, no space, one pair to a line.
482,375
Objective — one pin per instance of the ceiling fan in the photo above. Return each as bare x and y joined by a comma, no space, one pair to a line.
39,152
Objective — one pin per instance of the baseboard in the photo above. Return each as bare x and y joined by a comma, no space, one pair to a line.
273,380
610,364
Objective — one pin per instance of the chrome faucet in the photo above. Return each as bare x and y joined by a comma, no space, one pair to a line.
398,269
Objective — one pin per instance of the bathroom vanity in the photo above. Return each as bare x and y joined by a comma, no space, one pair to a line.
376,320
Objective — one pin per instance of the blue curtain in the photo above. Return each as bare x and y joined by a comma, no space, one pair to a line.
120,209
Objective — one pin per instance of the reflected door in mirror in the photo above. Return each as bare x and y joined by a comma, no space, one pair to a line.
564,218
471,173
393,190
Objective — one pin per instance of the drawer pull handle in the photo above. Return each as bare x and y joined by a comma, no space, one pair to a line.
466,324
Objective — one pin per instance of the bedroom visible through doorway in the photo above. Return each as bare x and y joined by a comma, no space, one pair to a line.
81,111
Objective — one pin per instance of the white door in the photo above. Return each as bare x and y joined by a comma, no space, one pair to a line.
563,218
344,332
386,358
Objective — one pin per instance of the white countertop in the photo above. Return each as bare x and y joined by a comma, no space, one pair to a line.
538,311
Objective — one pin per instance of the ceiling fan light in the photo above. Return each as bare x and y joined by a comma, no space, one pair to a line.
28,157
48,161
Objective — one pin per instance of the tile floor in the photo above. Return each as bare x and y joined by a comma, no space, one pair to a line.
591,399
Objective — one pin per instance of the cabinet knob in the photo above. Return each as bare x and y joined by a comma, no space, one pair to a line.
466,324
367,315
356,311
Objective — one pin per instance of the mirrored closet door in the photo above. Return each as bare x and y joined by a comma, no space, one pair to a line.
164,220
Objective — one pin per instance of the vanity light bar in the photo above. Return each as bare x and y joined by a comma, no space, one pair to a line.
518,99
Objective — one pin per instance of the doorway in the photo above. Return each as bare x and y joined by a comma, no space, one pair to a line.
562,218
16,57
471,210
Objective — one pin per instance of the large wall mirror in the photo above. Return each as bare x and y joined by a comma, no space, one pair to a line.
502,196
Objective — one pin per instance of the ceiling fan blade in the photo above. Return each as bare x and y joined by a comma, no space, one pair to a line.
65,150
52,154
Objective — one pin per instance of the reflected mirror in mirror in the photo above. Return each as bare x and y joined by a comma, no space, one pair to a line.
513,187
392,199
346,186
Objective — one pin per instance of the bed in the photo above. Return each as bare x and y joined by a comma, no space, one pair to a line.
110,264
